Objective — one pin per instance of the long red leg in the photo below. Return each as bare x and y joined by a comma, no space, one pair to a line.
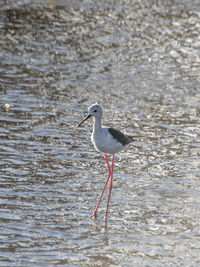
95,212
110,188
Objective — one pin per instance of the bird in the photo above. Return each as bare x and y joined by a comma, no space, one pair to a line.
108,141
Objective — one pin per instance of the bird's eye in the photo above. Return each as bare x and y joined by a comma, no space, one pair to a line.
95,110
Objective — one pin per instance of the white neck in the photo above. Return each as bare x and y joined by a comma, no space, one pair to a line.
97,124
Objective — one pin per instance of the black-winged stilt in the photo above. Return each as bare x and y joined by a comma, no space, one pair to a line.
106,140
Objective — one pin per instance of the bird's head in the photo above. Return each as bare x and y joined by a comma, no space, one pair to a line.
95,111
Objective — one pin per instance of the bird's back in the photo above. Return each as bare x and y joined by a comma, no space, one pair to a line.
120,137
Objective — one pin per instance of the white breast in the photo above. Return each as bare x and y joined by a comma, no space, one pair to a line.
104,142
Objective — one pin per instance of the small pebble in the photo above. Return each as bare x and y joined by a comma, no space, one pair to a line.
6,106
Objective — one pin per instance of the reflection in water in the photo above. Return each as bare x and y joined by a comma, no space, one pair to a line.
140,60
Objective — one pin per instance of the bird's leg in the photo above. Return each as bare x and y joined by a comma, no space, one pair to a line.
110,188
95,212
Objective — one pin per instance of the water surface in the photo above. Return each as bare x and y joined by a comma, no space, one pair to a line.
140,60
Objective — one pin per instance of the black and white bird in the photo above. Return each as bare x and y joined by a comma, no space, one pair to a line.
106,140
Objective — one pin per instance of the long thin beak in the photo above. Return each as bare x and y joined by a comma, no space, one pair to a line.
87,117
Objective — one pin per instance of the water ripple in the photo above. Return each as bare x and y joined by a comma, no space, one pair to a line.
140,60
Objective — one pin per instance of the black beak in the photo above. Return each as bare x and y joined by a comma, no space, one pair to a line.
87,117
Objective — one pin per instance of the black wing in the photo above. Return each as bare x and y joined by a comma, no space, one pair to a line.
120,137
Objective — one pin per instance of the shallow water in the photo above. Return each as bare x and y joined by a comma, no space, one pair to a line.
140,60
